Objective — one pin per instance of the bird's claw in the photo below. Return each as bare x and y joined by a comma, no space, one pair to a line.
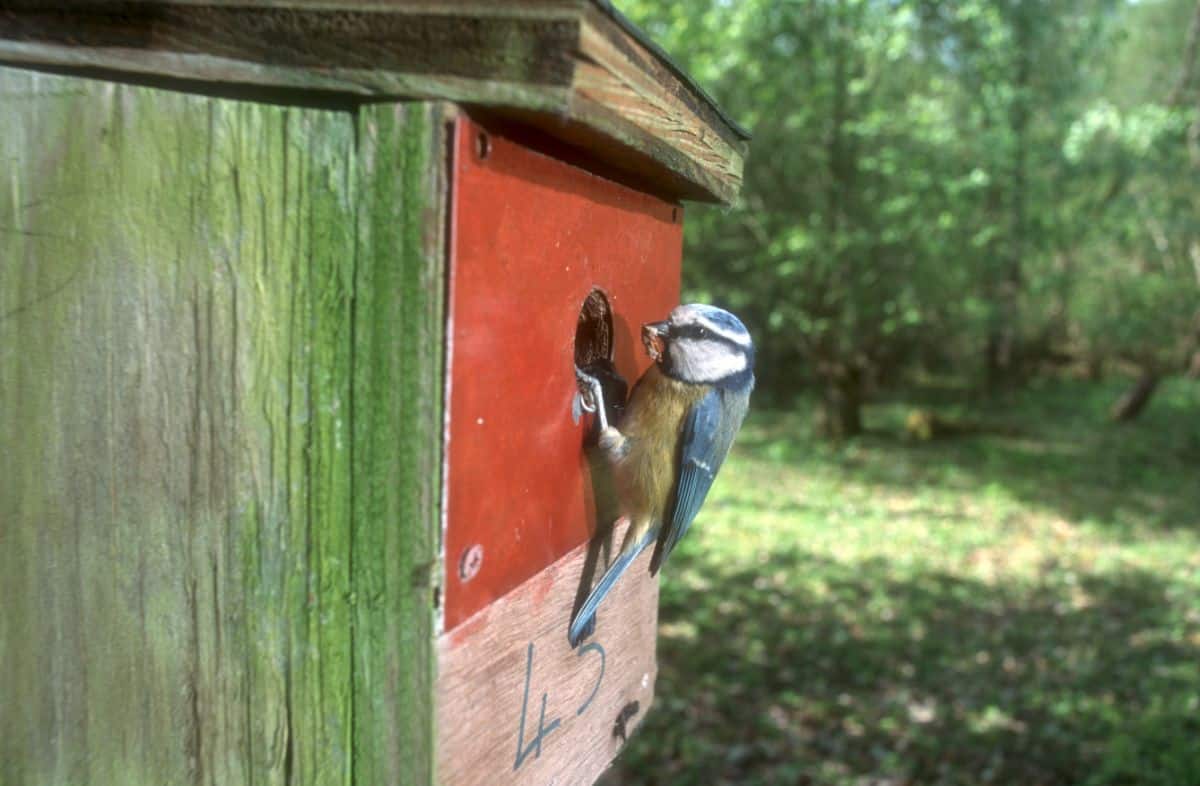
586,394
591,395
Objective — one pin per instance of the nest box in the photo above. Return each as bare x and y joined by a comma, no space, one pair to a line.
291,295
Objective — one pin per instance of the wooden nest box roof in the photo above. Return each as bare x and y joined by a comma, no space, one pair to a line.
573,69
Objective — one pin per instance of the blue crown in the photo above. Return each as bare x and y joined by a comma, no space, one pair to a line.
720,317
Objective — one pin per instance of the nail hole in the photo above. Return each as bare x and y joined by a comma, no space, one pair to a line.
483,145
594,330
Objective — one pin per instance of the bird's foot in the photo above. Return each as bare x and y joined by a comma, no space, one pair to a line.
612,442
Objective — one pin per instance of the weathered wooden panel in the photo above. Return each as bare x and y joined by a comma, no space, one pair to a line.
518,705
219,450
397,459
574,68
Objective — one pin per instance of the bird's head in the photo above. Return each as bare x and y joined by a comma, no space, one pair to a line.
702,345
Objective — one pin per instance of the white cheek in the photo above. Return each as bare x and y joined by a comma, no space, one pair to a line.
711,366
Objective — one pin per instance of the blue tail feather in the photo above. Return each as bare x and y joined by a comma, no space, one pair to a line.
581,625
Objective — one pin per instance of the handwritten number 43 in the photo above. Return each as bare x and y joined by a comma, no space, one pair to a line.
535,745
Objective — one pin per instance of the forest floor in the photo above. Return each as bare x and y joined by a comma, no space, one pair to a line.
1019,605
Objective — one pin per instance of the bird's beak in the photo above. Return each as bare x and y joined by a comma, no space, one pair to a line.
654,338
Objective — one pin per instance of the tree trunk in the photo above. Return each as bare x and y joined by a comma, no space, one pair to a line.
840,415
998,355
1193,345
1136,398
1002,348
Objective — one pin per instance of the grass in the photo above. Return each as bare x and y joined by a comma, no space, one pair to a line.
1020,606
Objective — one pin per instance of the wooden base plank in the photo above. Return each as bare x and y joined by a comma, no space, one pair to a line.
517,705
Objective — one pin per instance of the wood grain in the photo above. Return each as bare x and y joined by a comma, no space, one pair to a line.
397,403
498,668
567,61
623,87
220,398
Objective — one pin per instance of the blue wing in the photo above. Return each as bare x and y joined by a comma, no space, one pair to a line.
708,431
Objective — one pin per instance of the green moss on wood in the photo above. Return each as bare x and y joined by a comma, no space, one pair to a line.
220,424
397,431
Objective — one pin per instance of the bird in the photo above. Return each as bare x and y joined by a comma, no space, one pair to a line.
673,435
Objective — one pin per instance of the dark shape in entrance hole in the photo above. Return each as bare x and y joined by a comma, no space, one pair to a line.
594,331
594,352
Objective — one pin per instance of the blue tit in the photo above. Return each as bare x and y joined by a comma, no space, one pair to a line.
673,435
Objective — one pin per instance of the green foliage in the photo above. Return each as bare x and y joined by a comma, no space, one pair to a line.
1159,749
1139,299
930,180
828,254
1018,606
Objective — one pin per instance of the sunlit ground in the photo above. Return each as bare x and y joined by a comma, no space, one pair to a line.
1020,605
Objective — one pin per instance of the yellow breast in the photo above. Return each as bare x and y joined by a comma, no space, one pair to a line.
652,422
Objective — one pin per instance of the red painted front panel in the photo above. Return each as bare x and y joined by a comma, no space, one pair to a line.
530,237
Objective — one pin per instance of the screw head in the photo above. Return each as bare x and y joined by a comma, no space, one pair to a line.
470,562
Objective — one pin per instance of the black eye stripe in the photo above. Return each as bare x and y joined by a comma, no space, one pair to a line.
700,332
688,331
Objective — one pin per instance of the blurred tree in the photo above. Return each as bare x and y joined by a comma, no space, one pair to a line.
1021,71
847,202
931,182
1140,302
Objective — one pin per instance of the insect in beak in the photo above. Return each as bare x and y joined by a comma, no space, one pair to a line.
654,338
